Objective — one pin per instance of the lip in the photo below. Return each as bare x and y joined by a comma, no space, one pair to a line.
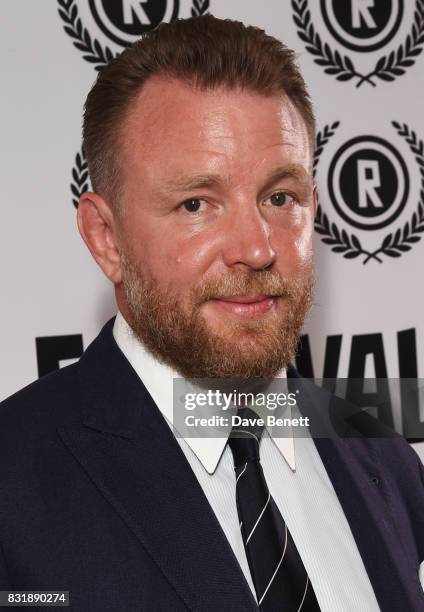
246,306
245,299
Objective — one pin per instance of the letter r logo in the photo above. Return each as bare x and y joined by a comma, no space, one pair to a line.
368,181
361,10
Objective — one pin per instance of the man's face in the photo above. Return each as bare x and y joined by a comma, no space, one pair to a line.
216,230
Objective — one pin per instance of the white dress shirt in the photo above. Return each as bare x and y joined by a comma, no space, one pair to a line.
298,482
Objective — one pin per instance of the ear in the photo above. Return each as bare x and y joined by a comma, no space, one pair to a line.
314,199
96,224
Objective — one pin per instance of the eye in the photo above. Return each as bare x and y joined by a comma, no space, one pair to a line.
280,198
192,205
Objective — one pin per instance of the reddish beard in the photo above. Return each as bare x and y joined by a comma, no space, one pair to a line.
184,339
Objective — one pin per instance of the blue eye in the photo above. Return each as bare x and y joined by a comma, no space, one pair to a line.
280,198
192,205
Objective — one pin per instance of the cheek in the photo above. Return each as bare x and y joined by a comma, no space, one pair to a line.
182,262
294,243
304,242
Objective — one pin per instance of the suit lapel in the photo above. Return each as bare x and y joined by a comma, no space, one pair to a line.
130,453
351,463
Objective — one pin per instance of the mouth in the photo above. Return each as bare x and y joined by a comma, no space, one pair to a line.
246,306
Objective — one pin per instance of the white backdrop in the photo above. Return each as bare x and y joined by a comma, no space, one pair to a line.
370,173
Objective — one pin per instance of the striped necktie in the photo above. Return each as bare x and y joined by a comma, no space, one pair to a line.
279,576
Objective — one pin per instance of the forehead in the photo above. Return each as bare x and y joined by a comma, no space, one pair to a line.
173,125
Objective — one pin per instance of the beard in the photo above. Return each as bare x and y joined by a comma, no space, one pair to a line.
182,337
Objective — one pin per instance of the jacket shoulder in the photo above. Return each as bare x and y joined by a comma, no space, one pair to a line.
46,400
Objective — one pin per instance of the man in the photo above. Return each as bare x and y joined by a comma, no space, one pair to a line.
199,141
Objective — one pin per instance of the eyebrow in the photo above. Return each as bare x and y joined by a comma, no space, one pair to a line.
203,181
291,171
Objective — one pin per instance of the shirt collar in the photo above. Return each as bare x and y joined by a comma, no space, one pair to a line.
158,379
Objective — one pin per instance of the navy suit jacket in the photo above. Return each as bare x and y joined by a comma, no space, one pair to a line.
97,498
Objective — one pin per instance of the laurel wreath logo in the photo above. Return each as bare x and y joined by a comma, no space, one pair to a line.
387,68
91,48
79,183
394,244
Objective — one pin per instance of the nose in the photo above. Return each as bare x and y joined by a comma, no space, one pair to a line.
246,239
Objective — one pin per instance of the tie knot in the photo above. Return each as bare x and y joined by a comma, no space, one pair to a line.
245,437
